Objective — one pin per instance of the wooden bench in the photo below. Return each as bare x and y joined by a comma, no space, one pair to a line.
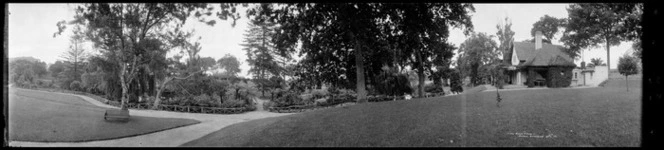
116,114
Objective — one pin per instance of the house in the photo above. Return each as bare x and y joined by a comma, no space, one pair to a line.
538,64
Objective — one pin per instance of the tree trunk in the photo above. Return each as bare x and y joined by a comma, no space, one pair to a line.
626,84
420,74
157,99
123,83
420,86
608,58
359,70
237,93
222,94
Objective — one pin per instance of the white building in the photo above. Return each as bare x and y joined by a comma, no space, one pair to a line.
591,76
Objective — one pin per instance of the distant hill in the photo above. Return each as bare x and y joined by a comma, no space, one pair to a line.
29,58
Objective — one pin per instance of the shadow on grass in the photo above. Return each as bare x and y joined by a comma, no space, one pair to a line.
51,117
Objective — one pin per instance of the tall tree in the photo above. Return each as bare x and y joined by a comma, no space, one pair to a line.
476,52
548,26
424,29
506,37
634,29
590,25
76,54
262,56
350,41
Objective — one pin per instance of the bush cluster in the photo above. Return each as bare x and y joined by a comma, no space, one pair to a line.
289,98
433,88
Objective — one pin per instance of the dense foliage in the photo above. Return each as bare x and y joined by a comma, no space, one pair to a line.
601,24
475,55
24,72
352,42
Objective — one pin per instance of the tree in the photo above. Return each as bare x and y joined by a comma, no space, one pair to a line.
350,41
174,74
590,25
638,50
596,62
21,72
506,37
124,32
627,65
478,50
262,56
56,68
76,54
633,27
207,63
424,29
548,26
455,81
230,64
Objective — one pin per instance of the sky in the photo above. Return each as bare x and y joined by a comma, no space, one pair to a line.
31,28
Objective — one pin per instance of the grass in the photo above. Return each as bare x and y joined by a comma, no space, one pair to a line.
607,116
49,117
93,96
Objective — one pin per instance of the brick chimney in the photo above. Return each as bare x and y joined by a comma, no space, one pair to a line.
538,40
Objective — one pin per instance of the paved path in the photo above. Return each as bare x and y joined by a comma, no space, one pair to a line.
168,138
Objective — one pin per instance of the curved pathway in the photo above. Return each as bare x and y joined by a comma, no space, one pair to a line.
168,138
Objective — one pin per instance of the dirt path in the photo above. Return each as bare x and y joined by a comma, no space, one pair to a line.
168,138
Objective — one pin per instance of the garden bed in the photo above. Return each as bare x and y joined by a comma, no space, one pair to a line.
145,106
336,102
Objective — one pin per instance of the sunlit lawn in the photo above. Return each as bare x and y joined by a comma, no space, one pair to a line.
607,116
48,117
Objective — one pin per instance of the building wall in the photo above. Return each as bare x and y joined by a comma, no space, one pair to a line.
600,74
577,77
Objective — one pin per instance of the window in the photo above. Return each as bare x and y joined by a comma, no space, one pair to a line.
575,75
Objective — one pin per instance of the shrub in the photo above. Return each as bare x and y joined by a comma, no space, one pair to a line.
216,99
203,100
75,86
379,98
290,98
307,96
456,83
319,93
391,83
233,104
559,77
433,88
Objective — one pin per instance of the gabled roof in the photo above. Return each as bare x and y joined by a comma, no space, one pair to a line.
548,55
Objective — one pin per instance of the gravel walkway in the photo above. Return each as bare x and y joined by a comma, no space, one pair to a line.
169,138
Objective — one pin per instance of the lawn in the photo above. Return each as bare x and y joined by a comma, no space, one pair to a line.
49,117
608,116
